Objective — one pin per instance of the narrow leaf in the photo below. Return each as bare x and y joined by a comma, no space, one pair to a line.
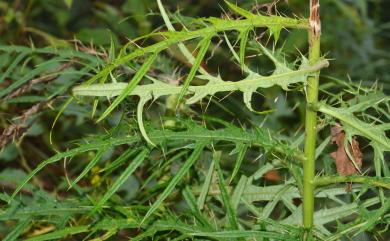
359,127
62,109
205,187
91,164
60,233
138,160
238,191
231,214
243,37
191,202
17,230
120,160
203,46
241,154
131,86
12,66
175,180
240,11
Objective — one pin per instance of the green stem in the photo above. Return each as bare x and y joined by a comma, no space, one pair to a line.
311,119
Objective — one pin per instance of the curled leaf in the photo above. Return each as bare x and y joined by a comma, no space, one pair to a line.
348,159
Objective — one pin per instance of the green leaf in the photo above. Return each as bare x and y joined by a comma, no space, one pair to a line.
244,234
17,230
353,126
120,160
243,37
238,191
242,148
140,108
282,76
84,148
241,11
60,233
191,202
90,165
138,160
230,211
130,87
183,49
203,47
12,66
68,3
356,126
175,180
205,187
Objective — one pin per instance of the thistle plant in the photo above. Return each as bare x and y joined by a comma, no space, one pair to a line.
200,179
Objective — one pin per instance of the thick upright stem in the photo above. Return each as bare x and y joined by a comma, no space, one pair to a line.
311,117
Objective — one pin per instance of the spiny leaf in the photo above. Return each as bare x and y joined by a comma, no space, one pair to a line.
325,216
282,76
38,70
218,25
182,47
272,204
245,234
275,31
356,126
175,180
203,46
254,138
71,153
241,11
383,182
138,160
130,87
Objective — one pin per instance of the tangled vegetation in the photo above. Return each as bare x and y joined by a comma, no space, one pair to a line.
209,128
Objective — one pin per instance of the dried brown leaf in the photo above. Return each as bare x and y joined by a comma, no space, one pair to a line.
344,165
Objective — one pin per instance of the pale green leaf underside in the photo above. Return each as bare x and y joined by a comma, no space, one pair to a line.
282,76
215,85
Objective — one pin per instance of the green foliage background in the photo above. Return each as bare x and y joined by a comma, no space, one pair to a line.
216,146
